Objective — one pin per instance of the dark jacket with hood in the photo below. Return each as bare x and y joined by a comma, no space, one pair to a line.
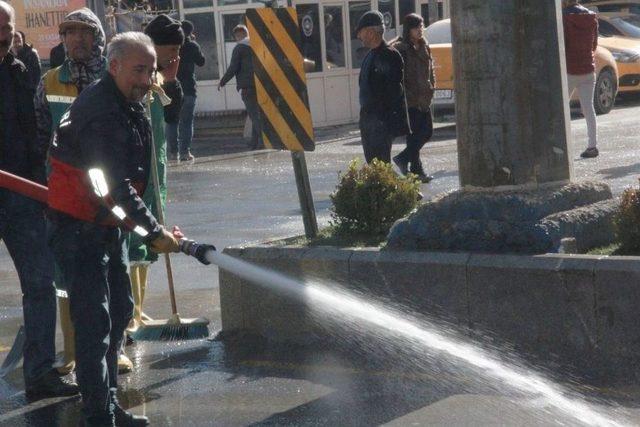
29,57
20,152
102,130
241,66
419,77
381,88
580,39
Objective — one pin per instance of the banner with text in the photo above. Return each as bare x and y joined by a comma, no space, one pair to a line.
39,20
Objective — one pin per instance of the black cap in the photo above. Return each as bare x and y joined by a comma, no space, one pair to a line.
164,30
187,27
372,18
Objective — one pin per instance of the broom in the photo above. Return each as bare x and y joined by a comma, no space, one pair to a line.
175,328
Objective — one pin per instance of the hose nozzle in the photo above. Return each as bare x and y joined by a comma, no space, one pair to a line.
196,250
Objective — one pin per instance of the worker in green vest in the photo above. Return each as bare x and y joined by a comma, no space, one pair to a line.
167,36
84,42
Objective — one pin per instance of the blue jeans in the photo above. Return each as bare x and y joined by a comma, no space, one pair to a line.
179,135
22,227
93,260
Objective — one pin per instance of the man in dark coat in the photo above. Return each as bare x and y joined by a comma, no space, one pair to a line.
29,57
383,107
57,55
179,135
88,242
22,221
241,67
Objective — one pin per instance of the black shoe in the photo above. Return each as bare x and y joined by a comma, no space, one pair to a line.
51,385
425,179
590,153
401,164
127,419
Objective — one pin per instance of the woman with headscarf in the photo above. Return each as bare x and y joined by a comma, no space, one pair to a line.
419,81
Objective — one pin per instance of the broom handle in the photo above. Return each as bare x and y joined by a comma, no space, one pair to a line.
158,202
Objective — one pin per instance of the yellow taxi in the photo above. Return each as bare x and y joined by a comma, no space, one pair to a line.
439,36
620,34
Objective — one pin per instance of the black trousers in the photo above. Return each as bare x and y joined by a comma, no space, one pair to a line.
422,130
376,138
94,262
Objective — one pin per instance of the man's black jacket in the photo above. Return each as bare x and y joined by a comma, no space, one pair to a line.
20,153
382,89
190,56
102,130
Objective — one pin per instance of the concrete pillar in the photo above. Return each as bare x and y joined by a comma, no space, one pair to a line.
512,110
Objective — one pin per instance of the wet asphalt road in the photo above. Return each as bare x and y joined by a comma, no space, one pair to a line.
234,199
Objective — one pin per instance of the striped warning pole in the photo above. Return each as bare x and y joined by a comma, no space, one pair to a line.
281,90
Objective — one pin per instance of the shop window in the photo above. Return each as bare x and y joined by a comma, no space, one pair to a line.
309,23
334,37
424,11
388,10
205,31
231,2
191,4
406,7
358,51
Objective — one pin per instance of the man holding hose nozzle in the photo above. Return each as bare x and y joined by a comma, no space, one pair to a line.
105,129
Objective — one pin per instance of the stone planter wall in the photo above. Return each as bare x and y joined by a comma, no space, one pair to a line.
576,309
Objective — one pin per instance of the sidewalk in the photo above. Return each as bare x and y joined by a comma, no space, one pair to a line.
220,135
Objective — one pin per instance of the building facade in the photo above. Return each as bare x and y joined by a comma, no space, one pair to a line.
328,41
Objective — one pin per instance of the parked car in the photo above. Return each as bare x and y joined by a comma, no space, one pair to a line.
605,7
620,34
439,36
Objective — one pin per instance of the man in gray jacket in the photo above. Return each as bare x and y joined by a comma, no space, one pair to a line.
241,67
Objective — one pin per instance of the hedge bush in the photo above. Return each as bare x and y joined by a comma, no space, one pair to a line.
369,199
627,220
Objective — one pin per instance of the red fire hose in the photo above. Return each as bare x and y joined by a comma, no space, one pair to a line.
23,186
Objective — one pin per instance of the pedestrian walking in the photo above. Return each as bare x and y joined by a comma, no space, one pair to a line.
241,67
57,55
84,40
168,37
22,221
179,135
89,244
419,83
383,108
581,41
29,57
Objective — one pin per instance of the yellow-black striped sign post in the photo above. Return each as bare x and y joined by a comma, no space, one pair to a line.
281,83
281,90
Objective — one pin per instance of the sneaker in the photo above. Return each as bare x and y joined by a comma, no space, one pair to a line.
401,164
425,179
51,385
127,419
590,153
188,157
172,157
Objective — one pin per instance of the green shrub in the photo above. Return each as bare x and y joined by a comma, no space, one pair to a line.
627,220
371,198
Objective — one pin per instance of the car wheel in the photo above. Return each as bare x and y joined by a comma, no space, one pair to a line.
605,92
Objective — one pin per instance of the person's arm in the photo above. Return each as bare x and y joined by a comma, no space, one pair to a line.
391,80
35,70
36,152
234,67
198,57
44,120
108,135
432,74
173,89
